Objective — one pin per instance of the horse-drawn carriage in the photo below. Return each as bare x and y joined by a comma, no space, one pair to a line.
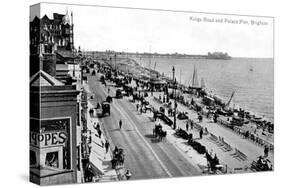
108,99
261,164
144,102
137,97
118,94
162,109
118,157
183,134
159,133
182,115
105,108
102,80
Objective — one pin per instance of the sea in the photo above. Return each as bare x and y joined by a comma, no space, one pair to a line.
252,79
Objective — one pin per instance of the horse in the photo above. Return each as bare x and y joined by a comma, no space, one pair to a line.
118,158
162,134
158,132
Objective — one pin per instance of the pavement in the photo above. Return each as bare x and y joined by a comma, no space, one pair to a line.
229,158
98,155
145,156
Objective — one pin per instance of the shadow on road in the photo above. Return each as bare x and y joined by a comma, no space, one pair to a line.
152,138
128,130
112,130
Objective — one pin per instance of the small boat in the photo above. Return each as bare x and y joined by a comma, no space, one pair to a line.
238,121
194,80
203,85
251,68
256,119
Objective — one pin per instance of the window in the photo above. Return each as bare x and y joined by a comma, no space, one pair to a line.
52,159
32,157
78,158
78,113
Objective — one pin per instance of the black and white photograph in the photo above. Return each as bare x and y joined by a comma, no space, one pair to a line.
120,93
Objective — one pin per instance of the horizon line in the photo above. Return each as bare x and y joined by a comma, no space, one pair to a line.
175,53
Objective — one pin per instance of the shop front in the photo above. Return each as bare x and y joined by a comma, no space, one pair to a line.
50,149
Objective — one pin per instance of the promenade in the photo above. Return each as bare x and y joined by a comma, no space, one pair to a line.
248,151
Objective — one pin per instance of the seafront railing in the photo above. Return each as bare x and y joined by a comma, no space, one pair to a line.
255,139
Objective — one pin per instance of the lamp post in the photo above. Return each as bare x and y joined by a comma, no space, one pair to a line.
173,73
174,96
115,61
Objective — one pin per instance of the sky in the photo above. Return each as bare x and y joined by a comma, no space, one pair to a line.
138,30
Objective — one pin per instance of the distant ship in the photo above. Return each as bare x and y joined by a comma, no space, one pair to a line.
218,55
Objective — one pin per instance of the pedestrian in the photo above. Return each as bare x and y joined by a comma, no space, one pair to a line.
106,145
98,105
99,132
137,107
120,124
98,126
266,151
89,147
201,133
200,117
154,116
187,125
91,111
206,130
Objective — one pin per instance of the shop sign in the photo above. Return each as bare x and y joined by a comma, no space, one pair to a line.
52,132
47,139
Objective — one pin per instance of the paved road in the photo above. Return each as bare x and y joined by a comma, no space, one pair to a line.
144,156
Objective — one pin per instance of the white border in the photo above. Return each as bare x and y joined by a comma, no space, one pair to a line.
15,91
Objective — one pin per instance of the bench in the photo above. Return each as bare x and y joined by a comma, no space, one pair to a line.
240,155
213,138
227,147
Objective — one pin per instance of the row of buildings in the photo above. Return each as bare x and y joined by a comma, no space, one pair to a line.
57,103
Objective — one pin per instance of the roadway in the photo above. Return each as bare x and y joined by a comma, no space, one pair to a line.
144,156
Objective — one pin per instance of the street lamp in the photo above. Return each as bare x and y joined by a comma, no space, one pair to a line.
174,95
115,61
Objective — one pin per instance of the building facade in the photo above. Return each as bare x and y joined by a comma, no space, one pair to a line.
51,43
54,155
55,103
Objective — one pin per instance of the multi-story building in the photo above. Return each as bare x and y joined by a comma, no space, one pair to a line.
53,40
55,103
54,151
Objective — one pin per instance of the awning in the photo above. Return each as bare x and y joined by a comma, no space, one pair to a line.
66,54
95,162
93,169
